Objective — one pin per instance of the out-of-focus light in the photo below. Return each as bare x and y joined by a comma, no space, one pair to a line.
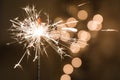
94,26
68,69
82,15
76,62
65,77
82,44
75,47
55,34
84,35
64,36
98,18
72,22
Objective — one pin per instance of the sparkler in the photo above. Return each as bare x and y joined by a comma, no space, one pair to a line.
33,33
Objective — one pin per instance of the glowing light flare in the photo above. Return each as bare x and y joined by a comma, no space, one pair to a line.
68,69
39,31
76,62
94,26
82,15
65,77
84,35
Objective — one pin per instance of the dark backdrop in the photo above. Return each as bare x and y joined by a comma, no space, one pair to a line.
101,61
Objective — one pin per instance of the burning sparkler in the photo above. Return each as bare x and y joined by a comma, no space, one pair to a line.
33,33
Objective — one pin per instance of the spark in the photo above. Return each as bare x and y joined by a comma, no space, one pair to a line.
35,34
70,29
82,4
110,30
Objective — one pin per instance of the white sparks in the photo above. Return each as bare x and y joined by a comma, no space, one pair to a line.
33,33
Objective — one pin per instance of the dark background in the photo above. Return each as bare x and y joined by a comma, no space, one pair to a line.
101,60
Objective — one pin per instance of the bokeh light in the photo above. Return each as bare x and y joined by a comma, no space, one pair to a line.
98,18
94,26
84,35
82,44
75,47
68,69
82,15
65,77
64,36
73,20
76,62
